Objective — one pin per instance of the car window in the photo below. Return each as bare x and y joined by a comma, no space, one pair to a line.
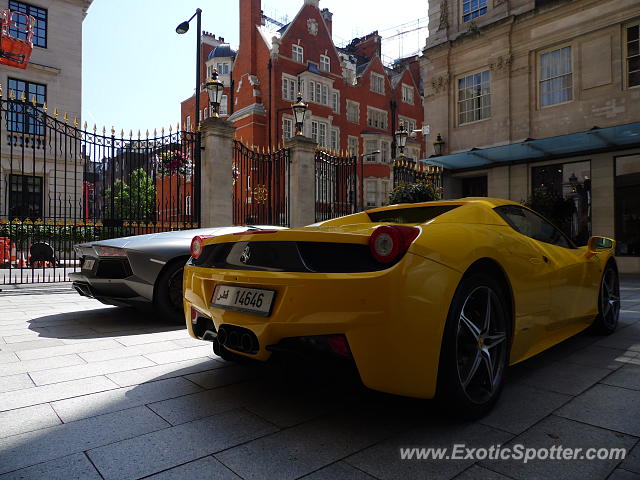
533,225
411,214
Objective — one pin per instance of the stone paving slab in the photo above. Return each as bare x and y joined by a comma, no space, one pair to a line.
27,419
557,431
100,403
30,448
15,382
76,466
157,451
197,416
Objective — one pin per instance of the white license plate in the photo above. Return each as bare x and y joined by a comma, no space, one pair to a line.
88,264
243,299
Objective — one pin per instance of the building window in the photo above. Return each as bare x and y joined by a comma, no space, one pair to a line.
353,146
376,118
407,94
223,68
353,111
627,205
556,79
287,128
188,126
318,93
566,188
25,196
384,192
319,133
372,192
335,139
633,56
473,8
39,29
223,109
335,101
297,53
370,146
377,83
385,151
289,88
474,186
474,97
23,117
408,123
325,63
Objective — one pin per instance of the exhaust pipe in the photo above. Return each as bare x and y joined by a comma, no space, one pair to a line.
222,335
246,343
233,340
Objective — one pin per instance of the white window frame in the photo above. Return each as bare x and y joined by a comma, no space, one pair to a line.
371,192
349,105
407,93
382,118
334,141
375,78
351,143
551,78
409,123
385,151
188,124
223,109
289,81
287,120
473,99
325,63
482,9
297,53
335,101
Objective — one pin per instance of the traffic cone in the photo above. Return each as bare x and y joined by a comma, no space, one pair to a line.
29,255
13,254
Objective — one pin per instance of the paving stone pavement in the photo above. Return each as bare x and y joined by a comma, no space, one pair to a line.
95,392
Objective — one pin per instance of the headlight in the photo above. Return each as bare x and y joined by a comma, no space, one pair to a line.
109,251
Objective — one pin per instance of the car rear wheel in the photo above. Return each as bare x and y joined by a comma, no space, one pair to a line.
608,302
168,293
475,347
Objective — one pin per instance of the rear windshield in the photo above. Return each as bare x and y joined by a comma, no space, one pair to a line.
410,215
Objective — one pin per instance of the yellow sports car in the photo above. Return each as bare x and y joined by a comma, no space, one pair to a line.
428,299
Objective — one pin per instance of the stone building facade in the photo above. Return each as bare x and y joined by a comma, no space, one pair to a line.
53,77
533,95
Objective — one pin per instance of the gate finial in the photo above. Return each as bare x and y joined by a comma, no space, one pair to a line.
23,97
155,133
44,107
177,129
122,133
138,134
12,95
65,117
130,133
75,122
33,100
84,127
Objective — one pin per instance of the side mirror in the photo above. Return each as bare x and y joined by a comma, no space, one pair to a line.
596,244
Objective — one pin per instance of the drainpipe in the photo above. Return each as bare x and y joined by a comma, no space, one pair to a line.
271,109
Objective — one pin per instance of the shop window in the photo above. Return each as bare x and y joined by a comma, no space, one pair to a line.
474,186
562,193
25,196
627,205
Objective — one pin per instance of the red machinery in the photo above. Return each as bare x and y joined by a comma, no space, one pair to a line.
15,51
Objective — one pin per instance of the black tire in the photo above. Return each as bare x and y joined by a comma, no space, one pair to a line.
473,347
608,301
167,298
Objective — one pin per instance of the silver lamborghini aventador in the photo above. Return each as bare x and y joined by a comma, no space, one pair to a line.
143,270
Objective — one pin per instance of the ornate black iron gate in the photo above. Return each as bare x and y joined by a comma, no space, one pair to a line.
408,171
336,185
260,186
61,185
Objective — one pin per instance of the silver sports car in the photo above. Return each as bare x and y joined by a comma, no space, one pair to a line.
141,270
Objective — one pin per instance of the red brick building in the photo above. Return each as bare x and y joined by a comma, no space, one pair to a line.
355,102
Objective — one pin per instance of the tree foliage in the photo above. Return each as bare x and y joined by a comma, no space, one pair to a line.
413,193
134,201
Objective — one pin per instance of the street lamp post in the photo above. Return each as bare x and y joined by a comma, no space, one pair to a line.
184,28
214,89
299,110
401,138
438,145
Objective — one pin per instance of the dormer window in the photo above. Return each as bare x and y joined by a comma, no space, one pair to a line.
377,83
325,63
297,53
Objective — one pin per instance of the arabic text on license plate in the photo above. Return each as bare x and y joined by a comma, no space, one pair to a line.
243,299
88,264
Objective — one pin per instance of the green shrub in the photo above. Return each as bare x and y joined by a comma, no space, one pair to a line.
413,193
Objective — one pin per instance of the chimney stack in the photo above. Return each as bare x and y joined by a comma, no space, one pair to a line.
328,20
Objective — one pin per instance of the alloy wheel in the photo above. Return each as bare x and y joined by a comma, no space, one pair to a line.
481,344
175,289
610,298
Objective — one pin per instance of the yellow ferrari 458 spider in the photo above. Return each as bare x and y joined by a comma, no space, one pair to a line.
428,299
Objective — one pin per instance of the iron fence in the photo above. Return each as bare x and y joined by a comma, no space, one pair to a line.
409,171
336,180
261,183
61,185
